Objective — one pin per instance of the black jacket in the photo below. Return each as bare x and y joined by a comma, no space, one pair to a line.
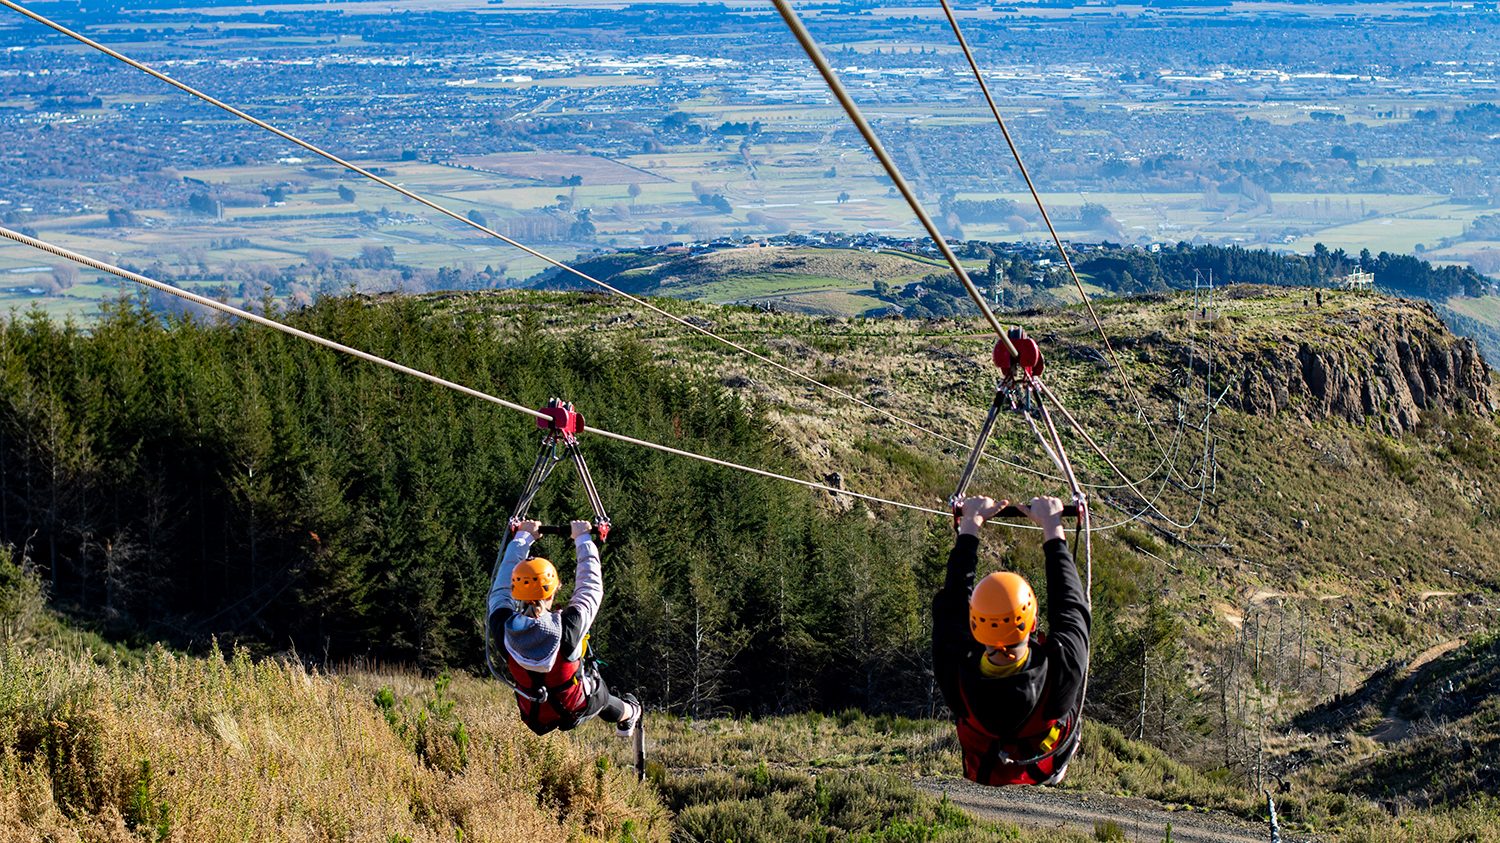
1003,705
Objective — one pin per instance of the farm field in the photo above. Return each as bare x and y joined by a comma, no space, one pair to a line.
1485,309
788,190
574,155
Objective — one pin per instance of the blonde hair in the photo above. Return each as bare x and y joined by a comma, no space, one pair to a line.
531,608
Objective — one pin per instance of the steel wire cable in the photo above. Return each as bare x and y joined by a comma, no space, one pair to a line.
1083,434
810,46
231,310
1036,196
406,370
461,218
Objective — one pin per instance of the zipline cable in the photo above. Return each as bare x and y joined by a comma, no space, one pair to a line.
406,370
1036,196
256,318
1094,446
818,59
810,46
461,218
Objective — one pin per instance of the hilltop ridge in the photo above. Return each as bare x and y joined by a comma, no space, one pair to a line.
1366,360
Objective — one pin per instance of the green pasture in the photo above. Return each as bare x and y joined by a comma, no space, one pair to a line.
758,286
829,302
1391,234
69,304
1484,309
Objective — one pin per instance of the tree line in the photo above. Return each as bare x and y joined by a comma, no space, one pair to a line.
185,480
1175,267
180,480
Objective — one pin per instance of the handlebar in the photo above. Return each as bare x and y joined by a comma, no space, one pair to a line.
1069,511
566,530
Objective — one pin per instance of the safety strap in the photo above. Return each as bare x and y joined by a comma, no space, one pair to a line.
1030,730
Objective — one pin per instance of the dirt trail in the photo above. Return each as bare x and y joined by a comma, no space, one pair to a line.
1394,727
1139,819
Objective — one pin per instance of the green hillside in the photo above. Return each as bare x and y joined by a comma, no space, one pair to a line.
819,281
187,482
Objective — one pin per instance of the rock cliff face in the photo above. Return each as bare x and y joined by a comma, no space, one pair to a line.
1382,365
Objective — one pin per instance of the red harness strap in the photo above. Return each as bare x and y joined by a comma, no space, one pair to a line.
554,699
992,760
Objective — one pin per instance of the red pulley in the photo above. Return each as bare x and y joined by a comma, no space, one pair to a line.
561,418
1029,354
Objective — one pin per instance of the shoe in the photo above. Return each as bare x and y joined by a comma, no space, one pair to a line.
626,728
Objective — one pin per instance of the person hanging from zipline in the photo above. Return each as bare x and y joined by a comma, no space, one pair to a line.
545,648
1015,693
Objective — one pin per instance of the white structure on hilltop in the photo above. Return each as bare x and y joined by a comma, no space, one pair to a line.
1356,280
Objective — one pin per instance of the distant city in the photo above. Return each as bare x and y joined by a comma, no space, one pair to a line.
578,128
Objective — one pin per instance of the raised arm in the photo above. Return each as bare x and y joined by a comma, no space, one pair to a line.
952,642
588,578
510,557
1068,621
1068,613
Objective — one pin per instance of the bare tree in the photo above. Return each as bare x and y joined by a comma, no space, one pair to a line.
65,275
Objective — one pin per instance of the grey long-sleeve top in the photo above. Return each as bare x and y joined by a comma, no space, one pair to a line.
576,616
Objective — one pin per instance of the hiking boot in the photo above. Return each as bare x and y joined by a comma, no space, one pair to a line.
626,728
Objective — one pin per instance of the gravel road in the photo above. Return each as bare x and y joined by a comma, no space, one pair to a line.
1140,819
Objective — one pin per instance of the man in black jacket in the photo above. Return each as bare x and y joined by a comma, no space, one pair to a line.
1015,693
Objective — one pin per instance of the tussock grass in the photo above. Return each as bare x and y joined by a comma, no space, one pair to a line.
1109,762
812,740
232,749
761,804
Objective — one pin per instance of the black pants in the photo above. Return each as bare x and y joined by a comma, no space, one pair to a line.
602,704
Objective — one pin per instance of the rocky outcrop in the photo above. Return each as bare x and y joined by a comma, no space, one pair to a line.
1381,366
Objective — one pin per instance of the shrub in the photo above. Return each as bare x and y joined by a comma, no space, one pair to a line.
769,804
23,600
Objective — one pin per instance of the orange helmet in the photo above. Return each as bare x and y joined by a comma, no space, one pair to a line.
533,579
1002,610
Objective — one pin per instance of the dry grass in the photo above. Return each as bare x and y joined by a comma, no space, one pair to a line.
230,749
808,741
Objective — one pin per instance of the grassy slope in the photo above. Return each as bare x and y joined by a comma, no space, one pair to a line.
822,281
104,744
1446,709
1352,581
1315,548
1311,513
